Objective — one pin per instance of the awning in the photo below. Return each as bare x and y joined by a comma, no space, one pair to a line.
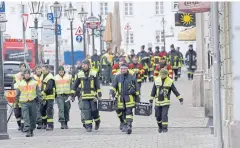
187,35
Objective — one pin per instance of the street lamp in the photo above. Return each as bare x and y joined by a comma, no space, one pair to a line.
35,8
101,29
83,17
56,9
70,15
163,32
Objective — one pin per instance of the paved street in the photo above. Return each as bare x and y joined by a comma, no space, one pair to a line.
187,129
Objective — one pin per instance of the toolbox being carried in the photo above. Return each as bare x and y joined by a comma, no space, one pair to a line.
143,109
106,105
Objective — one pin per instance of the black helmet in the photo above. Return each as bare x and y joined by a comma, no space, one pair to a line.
27,71
23,64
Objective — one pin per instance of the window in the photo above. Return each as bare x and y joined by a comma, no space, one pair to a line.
129,38
13,11
159,8
128,8
159,36
104,8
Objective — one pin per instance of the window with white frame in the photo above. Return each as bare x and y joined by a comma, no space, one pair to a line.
129,37
159,7
128,8
159,36
104,8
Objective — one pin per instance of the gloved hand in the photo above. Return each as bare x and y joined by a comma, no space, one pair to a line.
181,101
151,101
95,100
43,93
44,102
137,99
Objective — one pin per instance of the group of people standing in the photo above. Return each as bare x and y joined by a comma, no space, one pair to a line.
37,91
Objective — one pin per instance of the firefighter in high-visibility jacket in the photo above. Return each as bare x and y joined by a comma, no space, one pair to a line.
89,89
125,89
63,91
173,59
37,77
145,61
116,66
161,91
106,63
17,105
156,58
28,92
95,62
48,92
163,64
138,70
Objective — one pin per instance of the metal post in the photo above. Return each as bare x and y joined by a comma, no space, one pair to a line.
71,28
3,102
93,42
164,42
56,40
84,41
127,40
24,36
100,32
217,70
36,41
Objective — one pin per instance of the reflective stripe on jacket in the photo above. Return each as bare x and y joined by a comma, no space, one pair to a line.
63,84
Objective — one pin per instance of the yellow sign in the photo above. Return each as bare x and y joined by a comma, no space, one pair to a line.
187,19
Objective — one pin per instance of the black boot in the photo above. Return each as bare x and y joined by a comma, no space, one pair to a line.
160,127
44,124
49,127
62,125
31,133
19,125
39,126
121,125
97,125
192,76
175,78
164,130
84,125
129,129
28,133
66,125
22,128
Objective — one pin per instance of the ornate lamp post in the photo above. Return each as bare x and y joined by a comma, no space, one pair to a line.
83,17
35,8
70,15
56,9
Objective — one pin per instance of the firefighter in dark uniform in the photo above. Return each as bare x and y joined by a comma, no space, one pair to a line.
131,56
191,61
37,77
173,59
161,92
17,106
151,65
89,91
95,62
48,93
125,89
181,61
144,60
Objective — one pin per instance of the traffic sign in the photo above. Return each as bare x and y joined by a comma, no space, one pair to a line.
34,34
50,16
59,30
79,38
79,31
2,24
2,6
47,32
127,27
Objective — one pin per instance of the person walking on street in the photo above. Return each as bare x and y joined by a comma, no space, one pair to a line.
181,61
161,92
17,105
95,62
89,89
144,59
126,90
63,90
48,93
106,64
28,92
191,61
173,59
37,77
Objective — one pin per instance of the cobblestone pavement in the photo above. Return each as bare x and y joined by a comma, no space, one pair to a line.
187,128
